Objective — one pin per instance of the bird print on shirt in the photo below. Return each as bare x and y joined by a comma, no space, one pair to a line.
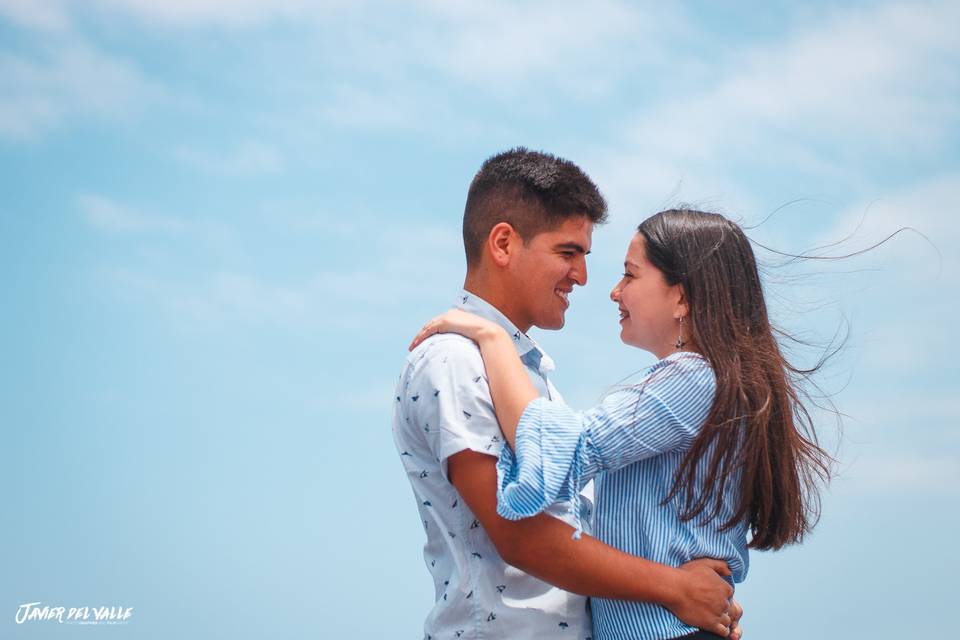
450,418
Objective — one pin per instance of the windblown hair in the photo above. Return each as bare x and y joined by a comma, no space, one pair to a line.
758,428
532,191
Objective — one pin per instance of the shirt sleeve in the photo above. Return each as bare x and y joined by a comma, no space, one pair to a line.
558,450
450,400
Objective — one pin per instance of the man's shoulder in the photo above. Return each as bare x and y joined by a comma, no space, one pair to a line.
450,349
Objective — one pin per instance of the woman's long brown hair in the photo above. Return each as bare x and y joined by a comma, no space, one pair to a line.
758,427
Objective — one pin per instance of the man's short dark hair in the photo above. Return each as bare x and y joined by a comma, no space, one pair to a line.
530,190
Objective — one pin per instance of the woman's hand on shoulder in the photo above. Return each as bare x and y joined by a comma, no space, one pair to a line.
466,324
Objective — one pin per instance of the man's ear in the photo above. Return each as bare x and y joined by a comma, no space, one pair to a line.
502,242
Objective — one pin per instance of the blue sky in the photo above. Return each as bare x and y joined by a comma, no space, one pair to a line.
221,222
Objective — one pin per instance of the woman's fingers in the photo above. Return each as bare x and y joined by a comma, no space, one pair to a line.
420,337
432,327
453,321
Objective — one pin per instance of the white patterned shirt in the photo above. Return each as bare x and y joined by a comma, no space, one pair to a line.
443,406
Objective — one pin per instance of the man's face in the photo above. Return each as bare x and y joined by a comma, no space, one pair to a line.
545,270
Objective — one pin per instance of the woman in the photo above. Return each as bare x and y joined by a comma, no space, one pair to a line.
712,444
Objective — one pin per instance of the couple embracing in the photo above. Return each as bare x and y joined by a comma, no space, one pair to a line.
701,460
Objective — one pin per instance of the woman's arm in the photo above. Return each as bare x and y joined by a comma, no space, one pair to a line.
510,385
542,546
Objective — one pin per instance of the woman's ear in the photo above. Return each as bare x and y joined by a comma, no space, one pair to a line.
682,309
501,242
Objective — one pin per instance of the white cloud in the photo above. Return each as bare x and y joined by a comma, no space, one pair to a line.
211,301
223,13
904,473
390,108
925,415
406,265
884,74
903,299
387,59
347,302
569,42
246,159
412,68
44,15
865,81
66,79
106,215
932,207
474,42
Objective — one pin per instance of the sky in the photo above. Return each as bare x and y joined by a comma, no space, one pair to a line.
222,222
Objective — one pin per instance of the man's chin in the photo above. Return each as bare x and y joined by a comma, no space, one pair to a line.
553,324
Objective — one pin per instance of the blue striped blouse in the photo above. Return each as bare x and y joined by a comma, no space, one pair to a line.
632,445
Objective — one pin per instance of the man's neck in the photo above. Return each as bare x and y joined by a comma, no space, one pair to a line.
493,294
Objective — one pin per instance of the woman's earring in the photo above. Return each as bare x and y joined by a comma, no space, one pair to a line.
680,342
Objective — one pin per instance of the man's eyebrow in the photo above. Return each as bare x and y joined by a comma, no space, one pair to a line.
568,246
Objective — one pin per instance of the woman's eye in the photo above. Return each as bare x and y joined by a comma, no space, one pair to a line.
627,275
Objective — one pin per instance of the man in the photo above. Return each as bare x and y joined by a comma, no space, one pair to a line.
527,228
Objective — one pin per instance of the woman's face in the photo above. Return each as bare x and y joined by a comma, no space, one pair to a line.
650,309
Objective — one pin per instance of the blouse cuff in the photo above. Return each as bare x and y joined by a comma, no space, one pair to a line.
547,465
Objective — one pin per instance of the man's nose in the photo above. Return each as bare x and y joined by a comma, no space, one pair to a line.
579,271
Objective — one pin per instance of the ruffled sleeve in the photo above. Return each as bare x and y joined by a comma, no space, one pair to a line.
558,450
552,461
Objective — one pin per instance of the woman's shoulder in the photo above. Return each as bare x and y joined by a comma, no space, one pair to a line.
682,361
682,369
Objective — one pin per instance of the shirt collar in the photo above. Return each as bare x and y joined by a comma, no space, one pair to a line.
529,351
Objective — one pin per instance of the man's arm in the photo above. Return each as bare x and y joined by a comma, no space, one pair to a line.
543,547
